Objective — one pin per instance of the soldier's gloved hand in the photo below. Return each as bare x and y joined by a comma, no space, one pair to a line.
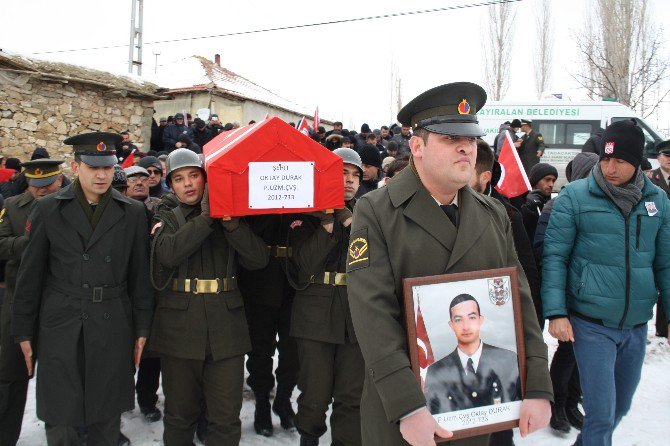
231,224
343,216
204,202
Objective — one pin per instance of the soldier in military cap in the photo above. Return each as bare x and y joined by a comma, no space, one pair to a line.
661,178
82,290
428,212
44,176
331,364
530,146
200,329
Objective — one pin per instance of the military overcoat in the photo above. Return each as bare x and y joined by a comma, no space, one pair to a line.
400,231
87,293
12,243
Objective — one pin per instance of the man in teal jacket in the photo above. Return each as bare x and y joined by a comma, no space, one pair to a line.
605,252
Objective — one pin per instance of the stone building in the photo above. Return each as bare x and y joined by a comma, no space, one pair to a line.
42,103
196,83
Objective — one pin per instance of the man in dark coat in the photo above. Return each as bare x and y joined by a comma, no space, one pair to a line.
530,146
44,177
372,169
428,221
173,131
201,133
661,178
200,329
82,291
542,178
475,374
331,364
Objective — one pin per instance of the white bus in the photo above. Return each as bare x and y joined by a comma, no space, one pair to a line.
564,125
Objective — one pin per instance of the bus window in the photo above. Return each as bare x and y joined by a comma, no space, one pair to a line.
577,134
552,132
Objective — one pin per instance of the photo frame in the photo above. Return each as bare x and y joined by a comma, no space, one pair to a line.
466,347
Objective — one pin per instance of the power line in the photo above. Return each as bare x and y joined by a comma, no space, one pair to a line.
291,27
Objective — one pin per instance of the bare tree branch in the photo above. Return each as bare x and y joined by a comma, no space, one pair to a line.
623,54
498,51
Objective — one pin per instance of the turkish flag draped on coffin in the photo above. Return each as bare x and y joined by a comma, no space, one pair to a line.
271,168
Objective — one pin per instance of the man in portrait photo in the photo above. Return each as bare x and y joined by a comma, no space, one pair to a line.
475,374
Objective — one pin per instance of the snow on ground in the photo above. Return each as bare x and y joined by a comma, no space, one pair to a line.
645,425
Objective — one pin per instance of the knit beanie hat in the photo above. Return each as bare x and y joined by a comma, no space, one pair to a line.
13,163
623,140
370,156
539,171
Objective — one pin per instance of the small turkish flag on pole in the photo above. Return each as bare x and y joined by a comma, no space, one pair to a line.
317,121
303,127
426,357
129,161
513,180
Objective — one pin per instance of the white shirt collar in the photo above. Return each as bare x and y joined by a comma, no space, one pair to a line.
454,201
475,357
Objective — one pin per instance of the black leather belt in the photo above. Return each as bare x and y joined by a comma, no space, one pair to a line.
95,294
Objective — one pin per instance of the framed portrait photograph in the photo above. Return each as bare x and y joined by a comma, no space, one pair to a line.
465,339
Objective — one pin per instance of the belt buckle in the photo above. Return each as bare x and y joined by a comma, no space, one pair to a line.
97,294
194,287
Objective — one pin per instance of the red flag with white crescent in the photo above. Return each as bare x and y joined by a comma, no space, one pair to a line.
303,127
513,180
426,357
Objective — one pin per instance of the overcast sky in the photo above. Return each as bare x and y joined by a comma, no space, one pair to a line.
345,69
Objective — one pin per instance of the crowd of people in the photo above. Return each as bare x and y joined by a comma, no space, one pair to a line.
118,281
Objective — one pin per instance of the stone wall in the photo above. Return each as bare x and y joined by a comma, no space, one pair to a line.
35,112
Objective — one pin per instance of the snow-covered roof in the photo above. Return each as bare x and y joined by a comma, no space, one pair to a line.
196,73
63,71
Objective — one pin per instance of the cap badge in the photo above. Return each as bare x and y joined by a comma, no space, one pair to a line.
609,148
101,147
38,171
464,108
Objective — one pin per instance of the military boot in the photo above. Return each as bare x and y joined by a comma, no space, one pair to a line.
262,417
308,441
283,408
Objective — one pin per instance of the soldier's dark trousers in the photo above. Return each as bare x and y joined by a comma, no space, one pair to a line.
105,433
265,323
186,382
148,380
12,405
330,372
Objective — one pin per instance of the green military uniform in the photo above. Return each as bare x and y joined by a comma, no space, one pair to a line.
532,142
662,180
82,291
268,299
399,232
200,329
331,364
13,372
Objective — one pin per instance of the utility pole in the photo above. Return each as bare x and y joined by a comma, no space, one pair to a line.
156,53
135,60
